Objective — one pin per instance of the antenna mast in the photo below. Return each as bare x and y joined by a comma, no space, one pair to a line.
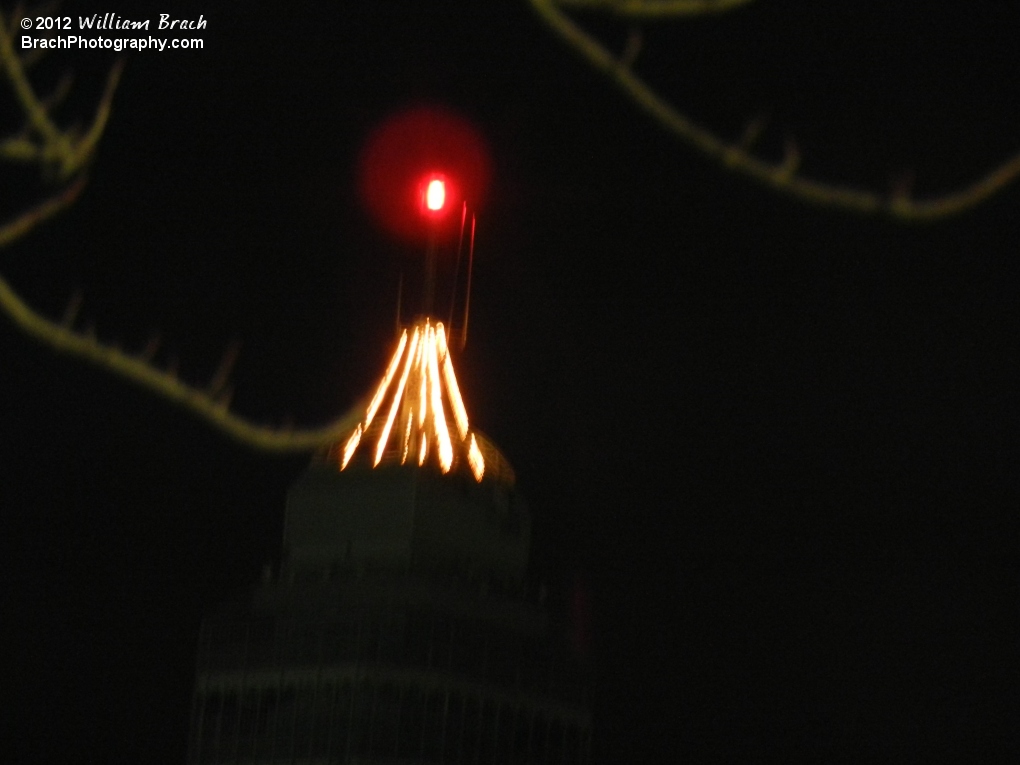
467,297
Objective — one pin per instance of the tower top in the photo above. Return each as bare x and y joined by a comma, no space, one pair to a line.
413,485
417,415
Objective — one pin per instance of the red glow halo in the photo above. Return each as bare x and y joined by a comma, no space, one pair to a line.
408,150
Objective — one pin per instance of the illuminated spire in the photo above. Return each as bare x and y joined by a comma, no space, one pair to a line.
417,414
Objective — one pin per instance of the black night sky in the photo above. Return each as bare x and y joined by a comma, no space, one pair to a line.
770,450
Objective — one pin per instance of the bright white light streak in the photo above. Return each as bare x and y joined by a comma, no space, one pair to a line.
423,403
387,378
456,402
475,459
441,337
459,413
381,447
438,415
407,439
350,446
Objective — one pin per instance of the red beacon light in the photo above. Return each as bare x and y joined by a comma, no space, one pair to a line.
435,195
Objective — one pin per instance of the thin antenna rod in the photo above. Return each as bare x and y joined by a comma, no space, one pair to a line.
456,268
430,273
467,299
400,297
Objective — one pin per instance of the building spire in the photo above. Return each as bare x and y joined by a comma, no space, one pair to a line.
417,415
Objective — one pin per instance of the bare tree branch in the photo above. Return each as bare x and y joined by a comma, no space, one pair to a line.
656,8
14,229
57,147
783,176
137,369
43,143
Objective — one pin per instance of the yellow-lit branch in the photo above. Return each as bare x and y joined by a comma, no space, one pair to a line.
14,229
205,403
42,141
657,8
65,156
784,176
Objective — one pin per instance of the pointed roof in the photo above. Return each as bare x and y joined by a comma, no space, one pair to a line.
417,415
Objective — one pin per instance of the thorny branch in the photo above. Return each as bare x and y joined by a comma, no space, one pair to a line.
43,143
211,404
657,8
783,176
64,156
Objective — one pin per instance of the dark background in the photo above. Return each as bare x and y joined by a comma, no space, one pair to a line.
770,450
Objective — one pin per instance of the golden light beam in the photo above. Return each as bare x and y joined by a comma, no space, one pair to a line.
456,402
417,410
387,378
407,440
422,397
438,415
381,447
475,459
350,446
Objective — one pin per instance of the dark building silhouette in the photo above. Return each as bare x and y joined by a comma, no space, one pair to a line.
397,630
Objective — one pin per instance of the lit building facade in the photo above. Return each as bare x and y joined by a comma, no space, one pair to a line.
397,630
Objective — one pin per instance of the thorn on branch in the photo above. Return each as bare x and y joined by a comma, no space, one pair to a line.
631,48
219,379
791,161
902,186
71,312
224,398
752,132
17,228
149,351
